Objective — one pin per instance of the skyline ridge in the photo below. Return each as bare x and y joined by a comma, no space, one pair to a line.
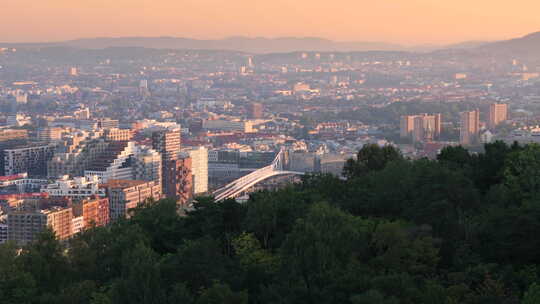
263,45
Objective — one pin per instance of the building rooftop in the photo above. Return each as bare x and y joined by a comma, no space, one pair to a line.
122,183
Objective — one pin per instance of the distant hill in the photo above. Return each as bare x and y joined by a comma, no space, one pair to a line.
467,45
527,46
243,44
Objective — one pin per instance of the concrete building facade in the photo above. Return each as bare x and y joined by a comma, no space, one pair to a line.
498,112
124,195
470,127
199,169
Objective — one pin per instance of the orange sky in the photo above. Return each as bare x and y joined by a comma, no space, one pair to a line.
402,21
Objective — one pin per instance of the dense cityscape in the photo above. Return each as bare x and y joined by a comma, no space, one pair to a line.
88,127
228,176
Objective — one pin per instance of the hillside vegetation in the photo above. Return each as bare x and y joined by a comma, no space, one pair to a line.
460,229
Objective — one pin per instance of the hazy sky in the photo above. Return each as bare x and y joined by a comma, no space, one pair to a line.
401,21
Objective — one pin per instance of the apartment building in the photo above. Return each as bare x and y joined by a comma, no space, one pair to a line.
76,188
10,134
199,169
470,127
420,128
498,112
30,158
94,212
124,195
25,225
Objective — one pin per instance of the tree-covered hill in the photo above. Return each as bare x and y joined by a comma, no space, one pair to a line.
461,229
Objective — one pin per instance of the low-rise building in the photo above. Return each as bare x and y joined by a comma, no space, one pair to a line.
228,125
25,225
94,212
124,195
78,187
10,134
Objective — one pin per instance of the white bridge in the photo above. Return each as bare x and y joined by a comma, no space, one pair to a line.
237,187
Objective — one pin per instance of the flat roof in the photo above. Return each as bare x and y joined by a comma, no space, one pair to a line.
122,183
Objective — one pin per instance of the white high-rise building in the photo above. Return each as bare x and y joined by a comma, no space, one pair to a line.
127,161
147,165
199,169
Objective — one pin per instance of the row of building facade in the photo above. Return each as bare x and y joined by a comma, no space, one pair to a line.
72,174
427,127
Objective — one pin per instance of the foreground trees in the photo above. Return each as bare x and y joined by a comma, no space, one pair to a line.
461,229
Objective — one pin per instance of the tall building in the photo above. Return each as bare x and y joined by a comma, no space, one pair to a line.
29,158
406,126
167,142
421,127
498,113
179,180
255,110
470,127
75,155
114,163
143,87
82,113
147,165
199,169
124,195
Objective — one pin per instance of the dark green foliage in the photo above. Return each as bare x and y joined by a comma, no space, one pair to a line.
532,296
460,229
371,158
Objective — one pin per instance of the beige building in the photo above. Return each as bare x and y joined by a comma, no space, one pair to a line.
115,134
75,156
50,134
421,127
9,134
25,225
470,127
199,169
228,125
498,112
127,194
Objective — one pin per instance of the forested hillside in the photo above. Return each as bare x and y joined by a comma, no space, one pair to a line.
461,229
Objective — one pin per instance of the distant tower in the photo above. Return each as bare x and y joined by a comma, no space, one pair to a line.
73,71
421,127
497,113
250,62
470,127
255,110
143,87
167,142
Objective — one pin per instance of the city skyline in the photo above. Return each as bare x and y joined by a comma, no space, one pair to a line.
420,21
